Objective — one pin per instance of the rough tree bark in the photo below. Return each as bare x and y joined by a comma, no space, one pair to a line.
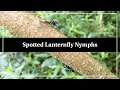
30,26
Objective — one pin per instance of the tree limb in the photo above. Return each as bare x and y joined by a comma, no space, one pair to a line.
30,26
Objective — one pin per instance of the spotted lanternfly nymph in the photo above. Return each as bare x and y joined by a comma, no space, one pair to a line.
70,69
53,23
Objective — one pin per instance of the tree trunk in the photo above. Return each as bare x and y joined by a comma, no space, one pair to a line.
26,25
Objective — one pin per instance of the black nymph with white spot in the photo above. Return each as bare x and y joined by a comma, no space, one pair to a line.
53,23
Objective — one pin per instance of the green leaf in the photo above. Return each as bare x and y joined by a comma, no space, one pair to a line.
48,62
29,76
42,55
55,72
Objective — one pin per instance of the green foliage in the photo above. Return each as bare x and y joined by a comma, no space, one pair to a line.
40,65
77,25
108,59
37,65
4,33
